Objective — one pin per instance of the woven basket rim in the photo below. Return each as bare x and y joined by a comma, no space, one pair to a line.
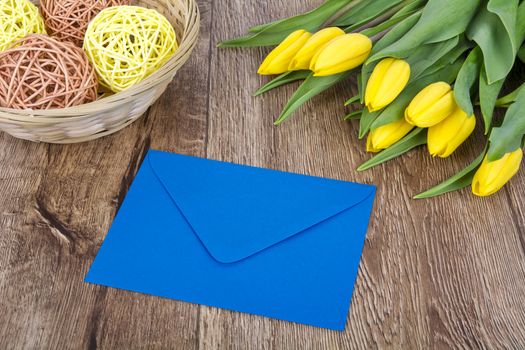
186,43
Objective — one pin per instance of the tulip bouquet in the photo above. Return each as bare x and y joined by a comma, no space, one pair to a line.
422,67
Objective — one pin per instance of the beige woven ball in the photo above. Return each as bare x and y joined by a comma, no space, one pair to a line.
40,72
68,19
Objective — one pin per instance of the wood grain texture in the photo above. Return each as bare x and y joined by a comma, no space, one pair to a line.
440,273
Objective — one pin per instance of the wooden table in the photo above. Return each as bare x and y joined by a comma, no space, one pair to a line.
446,272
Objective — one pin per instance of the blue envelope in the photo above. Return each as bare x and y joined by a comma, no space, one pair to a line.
247,239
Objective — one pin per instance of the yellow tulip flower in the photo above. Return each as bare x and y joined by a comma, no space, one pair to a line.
278,59
386,135
431,105
302,58
444,138
341,54
389,78
492,176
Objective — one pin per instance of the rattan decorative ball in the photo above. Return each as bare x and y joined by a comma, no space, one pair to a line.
40,72
125,44
68,19
18,18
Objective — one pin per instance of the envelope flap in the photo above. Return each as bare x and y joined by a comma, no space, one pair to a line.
237,211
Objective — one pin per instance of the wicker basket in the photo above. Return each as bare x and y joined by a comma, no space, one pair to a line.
110,114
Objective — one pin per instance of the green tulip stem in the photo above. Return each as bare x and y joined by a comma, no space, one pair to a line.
342,11
378,31
384,17
507,100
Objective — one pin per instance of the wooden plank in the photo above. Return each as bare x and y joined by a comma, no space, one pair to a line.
432,271
440,273
57,204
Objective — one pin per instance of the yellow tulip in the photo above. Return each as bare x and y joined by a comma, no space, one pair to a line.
386,135
431,105
492,176
444,138
341,54
302,58
389,78
278,59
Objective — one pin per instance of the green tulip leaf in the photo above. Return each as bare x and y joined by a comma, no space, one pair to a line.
440,20
415,138
360,86
488,94
411,7
509,136
452,57
364,12
366,121
283,79
311,87
396,110
385,25
396,33
521,54
353,99
425,56
494,30
261,27
507,100
520,31
274,33
456,182
353,115
467,77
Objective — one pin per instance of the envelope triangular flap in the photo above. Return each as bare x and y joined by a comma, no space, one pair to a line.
237,211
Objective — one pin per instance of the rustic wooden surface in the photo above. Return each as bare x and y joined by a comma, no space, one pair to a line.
440,273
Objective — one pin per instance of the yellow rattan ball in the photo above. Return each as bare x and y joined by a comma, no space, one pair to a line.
125,44
18,18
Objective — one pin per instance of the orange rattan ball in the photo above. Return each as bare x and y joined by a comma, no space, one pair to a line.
68,19
40,72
